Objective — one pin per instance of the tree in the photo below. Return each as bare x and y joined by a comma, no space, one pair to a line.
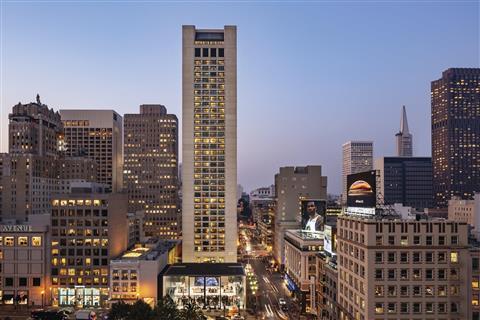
119,311
140,310
166,308
191,311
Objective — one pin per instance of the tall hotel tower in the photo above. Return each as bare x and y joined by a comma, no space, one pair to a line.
209,165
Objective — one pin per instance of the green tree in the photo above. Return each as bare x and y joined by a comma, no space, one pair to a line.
141,311
166,308
191,311
119,311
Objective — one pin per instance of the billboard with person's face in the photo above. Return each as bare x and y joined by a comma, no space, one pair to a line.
361,190
313,214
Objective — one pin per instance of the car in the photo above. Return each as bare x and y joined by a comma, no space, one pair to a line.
283,304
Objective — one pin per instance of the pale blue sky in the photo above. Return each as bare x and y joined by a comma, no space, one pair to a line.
311,75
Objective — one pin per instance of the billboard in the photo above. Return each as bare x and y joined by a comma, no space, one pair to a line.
313,215
361,190
328,240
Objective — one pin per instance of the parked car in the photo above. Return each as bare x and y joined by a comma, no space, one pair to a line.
85,315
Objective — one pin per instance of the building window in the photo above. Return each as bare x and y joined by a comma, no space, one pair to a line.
404,307
428,274
454,257
36,241
22,282
404,241
197,52
392,291
416,257
416,239
404,291
220,52
417,307
391,307
8,282
391,257
379,291
391,240
378,274
429,257
403,257
429,307
454,240
429,291
429,241
391,274
9,241
416,291
378,308
454,307
36,282
378,257
22,241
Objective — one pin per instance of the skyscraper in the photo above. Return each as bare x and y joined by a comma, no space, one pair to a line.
209,165
357,157
151,168
404,138
28,174
456,134
97,135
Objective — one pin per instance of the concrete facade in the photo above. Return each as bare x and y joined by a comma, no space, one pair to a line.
209,165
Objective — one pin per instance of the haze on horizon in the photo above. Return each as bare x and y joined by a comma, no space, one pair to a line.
311,75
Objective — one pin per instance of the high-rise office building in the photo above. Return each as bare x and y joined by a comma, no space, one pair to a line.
456,134
97,135
28,172
292,184
151,169
88,227
357,157
405,180
209,131
404,137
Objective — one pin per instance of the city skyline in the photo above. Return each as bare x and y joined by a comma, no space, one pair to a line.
326,81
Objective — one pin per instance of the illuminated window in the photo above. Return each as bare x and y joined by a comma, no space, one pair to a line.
22,241
378,308
36,241
454,257
9,241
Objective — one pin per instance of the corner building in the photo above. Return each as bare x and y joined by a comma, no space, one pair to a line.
209,165
403,269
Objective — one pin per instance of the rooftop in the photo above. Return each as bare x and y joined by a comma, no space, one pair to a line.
205,269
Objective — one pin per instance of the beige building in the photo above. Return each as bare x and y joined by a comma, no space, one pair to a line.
97,135
151,169
292,184
357,157
209,165
134,274
25,261
301,267
467,211
28,172
399,269
89,227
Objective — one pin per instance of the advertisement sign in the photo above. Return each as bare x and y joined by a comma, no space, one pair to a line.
328,239
361,190
313,216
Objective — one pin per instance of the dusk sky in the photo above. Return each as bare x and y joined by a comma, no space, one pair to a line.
311,74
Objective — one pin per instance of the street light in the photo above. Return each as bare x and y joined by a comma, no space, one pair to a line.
43,303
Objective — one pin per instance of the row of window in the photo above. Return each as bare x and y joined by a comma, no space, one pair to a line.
416,291
209,52
22,241
416,274
415,257
22,282
416,307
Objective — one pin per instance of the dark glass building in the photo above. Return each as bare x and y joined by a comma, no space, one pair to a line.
406,180
456,134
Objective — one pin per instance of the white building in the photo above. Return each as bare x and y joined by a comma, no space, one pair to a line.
209,164
466,211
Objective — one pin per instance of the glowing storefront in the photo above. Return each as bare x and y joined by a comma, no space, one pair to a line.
214,286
